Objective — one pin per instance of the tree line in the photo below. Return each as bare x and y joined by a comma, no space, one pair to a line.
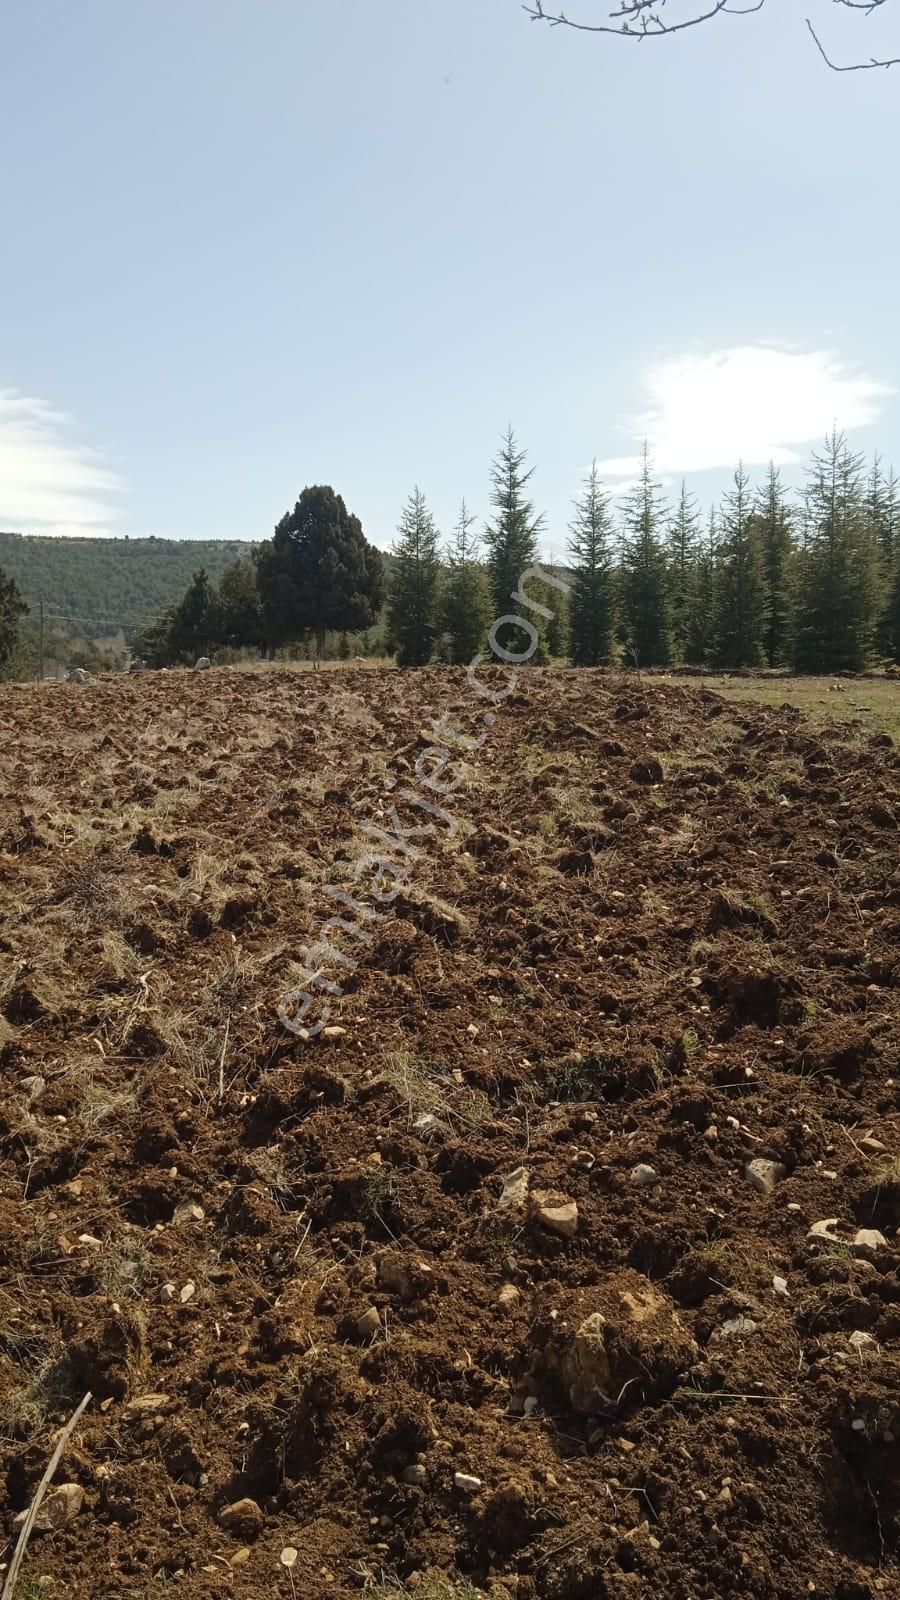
809,582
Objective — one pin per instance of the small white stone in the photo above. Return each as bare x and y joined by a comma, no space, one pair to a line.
825,1230
764,1175
466,1483
862,1343
867,1241
188,1211
368,1324
557,1215
643,1175
415,1475
187,1293
780,1285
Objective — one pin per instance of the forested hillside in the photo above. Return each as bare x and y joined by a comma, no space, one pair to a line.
100,585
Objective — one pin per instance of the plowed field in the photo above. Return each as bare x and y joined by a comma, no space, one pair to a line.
478,1287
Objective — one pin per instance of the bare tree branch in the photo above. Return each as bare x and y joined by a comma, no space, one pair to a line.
638,19
645,19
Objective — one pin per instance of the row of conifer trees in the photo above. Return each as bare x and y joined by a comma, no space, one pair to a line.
810,582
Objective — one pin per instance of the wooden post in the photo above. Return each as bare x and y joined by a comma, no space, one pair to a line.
41,667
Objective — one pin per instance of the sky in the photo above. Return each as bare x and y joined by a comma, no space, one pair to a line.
254,244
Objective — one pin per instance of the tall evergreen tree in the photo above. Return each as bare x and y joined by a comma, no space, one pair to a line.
12,610
466,598
558,623
883,510
741,604
240,614
889,630
413,604
700,639
771,523
682,562
318,572
591,599
194,624
836,577
511,537
645,601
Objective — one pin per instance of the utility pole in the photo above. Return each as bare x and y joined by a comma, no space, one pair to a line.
41,668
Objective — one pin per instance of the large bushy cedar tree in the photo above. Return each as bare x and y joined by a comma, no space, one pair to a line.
12,610
239,611
413,604
194,624
645,600
592,596
771,525
681,550
740,591
511,538
318,572
836,587
465,600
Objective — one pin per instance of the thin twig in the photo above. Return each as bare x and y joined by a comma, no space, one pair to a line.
27,1526
222,1062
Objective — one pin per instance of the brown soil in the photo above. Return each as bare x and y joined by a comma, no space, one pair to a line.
651,928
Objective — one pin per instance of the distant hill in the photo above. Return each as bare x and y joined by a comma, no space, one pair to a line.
101,585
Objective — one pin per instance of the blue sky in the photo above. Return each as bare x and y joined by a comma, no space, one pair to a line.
251,244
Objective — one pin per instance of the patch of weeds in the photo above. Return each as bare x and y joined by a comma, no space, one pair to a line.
428,1589
570,1079
732,906
547,825
124,1270
378,1195
690,1044
98,1104
50,1391
479,1112
887,1175
810,1009
413,1079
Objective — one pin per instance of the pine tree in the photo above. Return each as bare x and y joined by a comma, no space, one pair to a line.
466,599
194,625
645,601
591,601
772,527
883,511
682,564
740,594
239,611
413,604
318,572
836,576
558,623
700,637
12,610
889,629
511,538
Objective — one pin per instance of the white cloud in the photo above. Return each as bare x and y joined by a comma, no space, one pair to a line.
49,483
752,403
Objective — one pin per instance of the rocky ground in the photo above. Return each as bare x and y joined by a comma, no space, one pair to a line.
566,1264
